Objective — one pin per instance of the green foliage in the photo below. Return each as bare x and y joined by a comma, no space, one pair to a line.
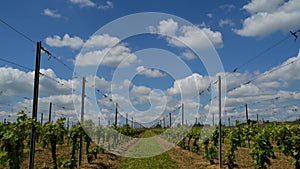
74,134
53,135
209,146
262,150
236,139
13,137
287,139
209,151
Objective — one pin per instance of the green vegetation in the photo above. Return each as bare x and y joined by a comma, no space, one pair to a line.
162,161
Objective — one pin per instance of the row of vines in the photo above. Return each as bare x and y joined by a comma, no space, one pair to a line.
15,139
263,142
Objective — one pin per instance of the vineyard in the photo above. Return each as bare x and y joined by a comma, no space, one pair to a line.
109,85
274,145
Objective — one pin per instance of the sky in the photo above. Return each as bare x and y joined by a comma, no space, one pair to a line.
181,49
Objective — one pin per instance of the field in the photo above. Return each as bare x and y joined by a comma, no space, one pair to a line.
274,145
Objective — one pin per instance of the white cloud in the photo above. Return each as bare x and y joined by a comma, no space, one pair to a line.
140,94
108,4
17,82
66,41
191,36
210,15
94,42
113,57
168,27
224,22
249,89
51,13
99,83
83,3
262,5
197,39
269,19
227,7
99,41
97,48
150,73
189,86
188,55
286,72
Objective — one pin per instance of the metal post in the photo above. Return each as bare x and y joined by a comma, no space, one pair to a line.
248,122
213,119
247,119
170,120
50,109
116,115
42,116
68,122
35,102
126,119
182,113
81,119
220,124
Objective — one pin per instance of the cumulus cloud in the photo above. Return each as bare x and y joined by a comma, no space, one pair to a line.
101,41
51,13
83,3
168,27
17,82
192,36
262,5
190,86
75,42
97,48
150,73
188,55
268,17
107,5
119,55
65,41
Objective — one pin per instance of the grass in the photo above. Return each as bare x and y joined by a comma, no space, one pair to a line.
148,147
162,161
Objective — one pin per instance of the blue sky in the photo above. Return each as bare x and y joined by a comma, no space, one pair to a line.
238,30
